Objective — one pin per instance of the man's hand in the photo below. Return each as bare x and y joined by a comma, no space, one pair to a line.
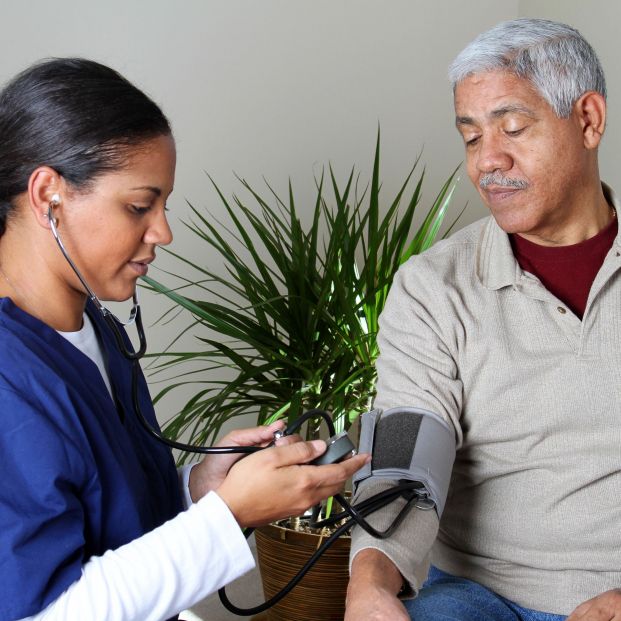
373,588
604,607
375,604
210,473
276,483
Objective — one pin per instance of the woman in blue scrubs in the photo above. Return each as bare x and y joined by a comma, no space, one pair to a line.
95,521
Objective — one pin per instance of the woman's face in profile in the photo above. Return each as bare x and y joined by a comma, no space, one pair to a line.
111,231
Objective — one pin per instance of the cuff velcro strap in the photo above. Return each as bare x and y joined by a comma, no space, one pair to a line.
412,444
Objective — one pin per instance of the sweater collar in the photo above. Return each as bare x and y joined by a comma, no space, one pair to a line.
497,267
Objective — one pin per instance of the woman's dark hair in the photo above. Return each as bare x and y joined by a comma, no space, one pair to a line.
75,115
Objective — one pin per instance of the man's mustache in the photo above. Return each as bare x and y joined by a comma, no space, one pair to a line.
497,178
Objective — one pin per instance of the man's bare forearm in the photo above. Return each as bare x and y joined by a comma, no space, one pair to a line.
370,566
373,588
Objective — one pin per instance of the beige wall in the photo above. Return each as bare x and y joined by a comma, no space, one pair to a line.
281,87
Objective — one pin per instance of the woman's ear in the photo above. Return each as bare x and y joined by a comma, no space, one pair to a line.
591,110
45,191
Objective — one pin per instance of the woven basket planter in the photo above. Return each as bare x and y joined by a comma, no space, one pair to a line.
321,593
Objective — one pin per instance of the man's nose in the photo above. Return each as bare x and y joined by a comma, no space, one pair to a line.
492,155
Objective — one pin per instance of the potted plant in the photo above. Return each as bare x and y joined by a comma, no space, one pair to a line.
292,313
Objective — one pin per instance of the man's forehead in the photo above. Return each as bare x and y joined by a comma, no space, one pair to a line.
494,94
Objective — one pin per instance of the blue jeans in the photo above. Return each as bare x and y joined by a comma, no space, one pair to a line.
448,598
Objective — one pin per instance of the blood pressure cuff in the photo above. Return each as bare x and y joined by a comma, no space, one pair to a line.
411,444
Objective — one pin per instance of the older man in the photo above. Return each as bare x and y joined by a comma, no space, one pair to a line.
509,333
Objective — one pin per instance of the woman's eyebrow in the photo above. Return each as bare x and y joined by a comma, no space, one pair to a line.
151,188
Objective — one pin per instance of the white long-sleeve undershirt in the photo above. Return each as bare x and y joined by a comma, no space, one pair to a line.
161,573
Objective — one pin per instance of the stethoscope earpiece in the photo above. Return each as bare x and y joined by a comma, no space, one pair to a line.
54,202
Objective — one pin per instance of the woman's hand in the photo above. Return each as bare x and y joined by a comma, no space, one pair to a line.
275,483
209,474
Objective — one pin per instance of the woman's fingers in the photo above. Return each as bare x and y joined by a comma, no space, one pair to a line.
253,436
278,482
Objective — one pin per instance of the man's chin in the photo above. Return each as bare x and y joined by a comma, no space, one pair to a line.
511,223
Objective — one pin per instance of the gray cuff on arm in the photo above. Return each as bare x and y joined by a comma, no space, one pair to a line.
409,444
409,547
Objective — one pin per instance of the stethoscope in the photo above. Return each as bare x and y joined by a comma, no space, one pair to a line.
413,492
135,317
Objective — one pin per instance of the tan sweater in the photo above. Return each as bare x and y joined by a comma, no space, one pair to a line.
534,395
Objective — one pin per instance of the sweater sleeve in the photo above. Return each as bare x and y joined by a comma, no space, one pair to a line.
416,368
161,573
409,547
417,365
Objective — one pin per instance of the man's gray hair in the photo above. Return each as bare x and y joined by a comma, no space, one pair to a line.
554,57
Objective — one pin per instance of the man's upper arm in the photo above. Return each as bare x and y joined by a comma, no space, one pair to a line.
417,366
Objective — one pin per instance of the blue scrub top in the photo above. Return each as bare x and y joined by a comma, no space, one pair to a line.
79,474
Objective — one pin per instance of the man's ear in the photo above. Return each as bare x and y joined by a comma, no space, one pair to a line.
45,189
591,113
